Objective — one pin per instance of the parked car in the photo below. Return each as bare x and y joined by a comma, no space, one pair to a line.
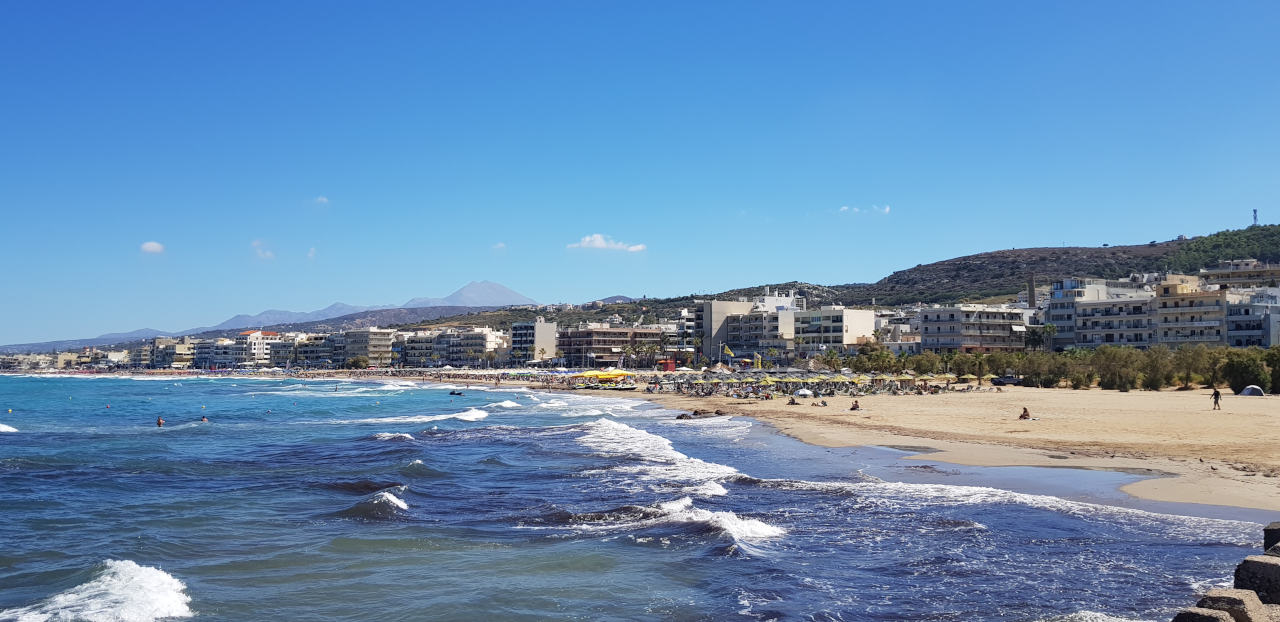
1005,381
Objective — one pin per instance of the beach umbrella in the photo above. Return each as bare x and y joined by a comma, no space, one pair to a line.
699,382
804,393
903,377
989,376
968,377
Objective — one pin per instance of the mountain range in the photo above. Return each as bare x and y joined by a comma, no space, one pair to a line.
476,294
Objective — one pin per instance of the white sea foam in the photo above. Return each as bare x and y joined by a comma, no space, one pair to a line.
902,495
503,404
682,511
122,592
470,414
658,464
389,499
390,436
1090,616
7,428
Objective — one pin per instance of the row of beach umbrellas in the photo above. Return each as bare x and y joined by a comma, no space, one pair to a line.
841,378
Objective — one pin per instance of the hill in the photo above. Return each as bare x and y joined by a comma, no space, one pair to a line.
1005,272
968,278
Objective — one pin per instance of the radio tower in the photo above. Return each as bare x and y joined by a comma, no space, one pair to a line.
1255,216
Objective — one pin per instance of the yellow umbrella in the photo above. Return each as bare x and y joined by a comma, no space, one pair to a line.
989,376
840,378
904,377
969,377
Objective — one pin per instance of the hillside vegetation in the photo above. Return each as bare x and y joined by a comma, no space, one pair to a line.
962,279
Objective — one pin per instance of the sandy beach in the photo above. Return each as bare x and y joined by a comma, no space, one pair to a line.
1195,454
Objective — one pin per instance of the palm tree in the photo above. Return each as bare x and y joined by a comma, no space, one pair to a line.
1050,331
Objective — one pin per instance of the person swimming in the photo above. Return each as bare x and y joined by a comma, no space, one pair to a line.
204,419
159,422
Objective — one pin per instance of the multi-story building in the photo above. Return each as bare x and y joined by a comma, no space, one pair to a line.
1242,273
711,318
833,327
419,349
314,351
1187,314
373,343
533,341
140,356
217,353
601,345
172,352
972,328
253,348
1255,321
1122,320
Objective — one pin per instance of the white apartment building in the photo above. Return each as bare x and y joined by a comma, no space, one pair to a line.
253,348
1119,320
372,343
972,328
832,327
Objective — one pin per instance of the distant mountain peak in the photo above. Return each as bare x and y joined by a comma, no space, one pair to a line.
475,294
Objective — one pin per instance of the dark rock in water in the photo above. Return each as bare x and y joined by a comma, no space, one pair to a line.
699,413
1260,573
1270,535
1243,605
1196,614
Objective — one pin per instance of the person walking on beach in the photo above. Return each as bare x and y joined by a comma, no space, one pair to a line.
1217,397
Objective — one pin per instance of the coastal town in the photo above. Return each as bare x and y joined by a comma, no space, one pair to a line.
1233,305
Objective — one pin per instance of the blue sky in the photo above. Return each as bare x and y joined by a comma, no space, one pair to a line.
290,155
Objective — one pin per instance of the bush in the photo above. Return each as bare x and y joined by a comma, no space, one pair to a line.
1245,367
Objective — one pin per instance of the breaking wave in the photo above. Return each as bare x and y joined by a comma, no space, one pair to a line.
7,428
657,464
470,414
381,505
122,591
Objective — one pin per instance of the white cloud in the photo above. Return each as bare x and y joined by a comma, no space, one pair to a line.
155,248
262,251
845,208
311,254
500,245
883,210
322,200
597,240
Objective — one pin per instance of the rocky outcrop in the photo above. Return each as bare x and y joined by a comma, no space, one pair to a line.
1256,596
699,413
1197,614
1243,605
1260,573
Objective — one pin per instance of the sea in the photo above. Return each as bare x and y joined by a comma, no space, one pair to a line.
394,500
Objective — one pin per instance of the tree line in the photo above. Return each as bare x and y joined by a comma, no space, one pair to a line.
1121,368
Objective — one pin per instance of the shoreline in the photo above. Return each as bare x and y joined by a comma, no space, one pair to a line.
1174,472
1186,452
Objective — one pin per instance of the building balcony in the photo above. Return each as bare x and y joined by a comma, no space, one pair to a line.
1191,324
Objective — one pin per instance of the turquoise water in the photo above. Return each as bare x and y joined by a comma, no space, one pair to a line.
333,500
